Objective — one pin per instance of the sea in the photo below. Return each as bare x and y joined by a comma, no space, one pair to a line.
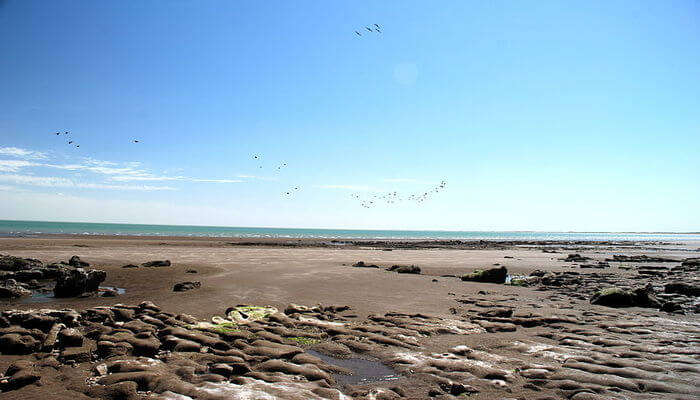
35,228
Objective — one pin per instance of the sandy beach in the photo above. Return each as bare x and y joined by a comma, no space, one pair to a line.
438,335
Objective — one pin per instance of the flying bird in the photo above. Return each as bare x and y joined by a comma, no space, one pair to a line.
368,28
136,141
58,133
358,33
70,142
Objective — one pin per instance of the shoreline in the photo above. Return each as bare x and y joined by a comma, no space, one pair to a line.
339,244
544,338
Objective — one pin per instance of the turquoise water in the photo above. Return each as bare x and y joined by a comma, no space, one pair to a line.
24,228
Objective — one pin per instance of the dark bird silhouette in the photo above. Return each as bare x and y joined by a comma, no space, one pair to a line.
358,33
70,142
368,28
58,133
136,141
77,145
377,26
66,133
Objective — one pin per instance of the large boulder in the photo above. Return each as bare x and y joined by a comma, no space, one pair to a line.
493,275
685,289
158,263
11,263
361,264
76,262
72,283
616,297
404,269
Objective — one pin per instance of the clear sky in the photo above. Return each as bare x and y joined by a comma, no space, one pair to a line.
541,115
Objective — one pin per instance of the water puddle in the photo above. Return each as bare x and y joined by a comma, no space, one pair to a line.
45,294
510,278
364,371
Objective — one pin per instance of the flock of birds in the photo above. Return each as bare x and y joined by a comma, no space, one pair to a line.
395,197
374,29
73,143
365,201
70,142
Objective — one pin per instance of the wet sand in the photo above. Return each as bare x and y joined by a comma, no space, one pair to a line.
519,342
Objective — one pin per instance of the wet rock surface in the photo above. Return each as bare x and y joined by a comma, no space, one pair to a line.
185,286
75,282
404,269
493,275
157,263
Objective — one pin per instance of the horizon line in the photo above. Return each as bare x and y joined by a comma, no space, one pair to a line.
357,229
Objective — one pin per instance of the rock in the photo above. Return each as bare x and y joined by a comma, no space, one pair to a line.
158,263
10,263
184,286
18,366
126,390
51,338
36,320
575,258
616,297
10,289
642,258
76,354
191,271
149,305
493,275
221,369
691,262
108,349
20,376
361,264
671,307
28,275
76,262
70,337
73,283
685,289
109,293
613,297
404,269
15,343
310,371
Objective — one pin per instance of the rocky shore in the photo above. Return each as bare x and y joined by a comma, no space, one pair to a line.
598,324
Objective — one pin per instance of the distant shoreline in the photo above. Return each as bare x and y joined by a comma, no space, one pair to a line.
346,229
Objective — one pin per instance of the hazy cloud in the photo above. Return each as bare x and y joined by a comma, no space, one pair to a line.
21,153
52,181
15,165
119,172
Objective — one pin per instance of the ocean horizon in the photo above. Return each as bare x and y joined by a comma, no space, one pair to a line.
30,228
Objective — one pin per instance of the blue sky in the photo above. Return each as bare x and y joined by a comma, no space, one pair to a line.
541,115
